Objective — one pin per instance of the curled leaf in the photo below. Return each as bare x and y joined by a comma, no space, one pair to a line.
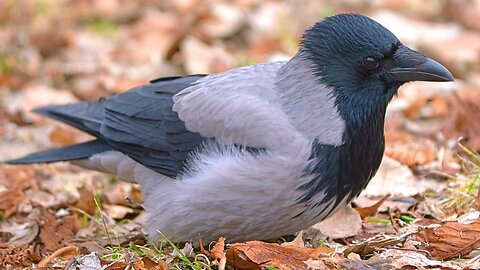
450,240
257,255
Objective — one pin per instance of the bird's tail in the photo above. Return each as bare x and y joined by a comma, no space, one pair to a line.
67,153
85,116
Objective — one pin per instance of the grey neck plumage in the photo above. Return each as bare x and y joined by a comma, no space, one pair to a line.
308,102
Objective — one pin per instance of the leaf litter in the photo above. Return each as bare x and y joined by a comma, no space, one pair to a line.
62,217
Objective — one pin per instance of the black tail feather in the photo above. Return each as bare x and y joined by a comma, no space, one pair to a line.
67,153
86,116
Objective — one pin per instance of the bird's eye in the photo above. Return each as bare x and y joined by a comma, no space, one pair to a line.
370,63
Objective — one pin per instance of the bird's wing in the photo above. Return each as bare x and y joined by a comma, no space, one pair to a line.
160,124
240,107
141,124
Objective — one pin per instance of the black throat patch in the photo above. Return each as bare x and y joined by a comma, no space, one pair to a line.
345,170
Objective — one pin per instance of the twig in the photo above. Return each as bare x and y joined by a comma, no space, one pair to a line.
57,253
414,250
392,221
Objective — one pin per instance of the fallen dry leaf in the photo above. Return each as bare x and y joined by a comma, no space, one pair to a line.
217,251
463,119
409,150
257,254
121,191
450,240
408,259
157,265
17,180
19,233
134,263
17,255
344,223
465,12
117,211
371,210
120,265
297,242
459,113
22,177
54,233
166,30
373,244
397,179
87,200
61,137
35,96
436,106
10,200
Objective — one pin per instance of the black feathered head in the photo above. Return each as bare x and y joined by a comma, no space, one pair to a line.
360,58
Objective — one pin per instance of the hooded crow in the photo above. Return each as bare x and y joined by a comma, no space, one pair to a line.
256,152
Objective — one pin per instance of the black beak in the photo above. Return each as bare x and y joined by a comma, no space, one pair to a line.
410,65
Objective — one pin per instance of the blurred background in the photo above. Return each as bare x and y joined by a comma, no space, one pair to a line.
60,51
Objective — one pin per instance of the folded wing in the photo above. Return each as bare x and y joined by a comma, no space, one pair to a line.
160,124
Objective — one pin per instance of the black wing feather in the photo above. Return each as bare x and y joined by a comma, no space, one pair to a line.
67,153
139,123
142,124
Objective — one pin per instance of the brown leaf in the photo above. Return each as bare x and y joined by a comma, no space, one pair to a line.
49,42
411,259
54,233
257,254
10,200
61,137
17,179
414,108
117,211
346,222
147,264
164,36
118,265
35,96
151,265
22,177
135,263
452,239
297,242
260,49
371,210
409,150
373,244
464,12
17,255
437,107
86,201
121,191
217,251
462,121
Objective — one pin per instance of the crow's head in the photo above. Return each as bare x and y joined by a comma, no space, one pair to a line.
363,61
